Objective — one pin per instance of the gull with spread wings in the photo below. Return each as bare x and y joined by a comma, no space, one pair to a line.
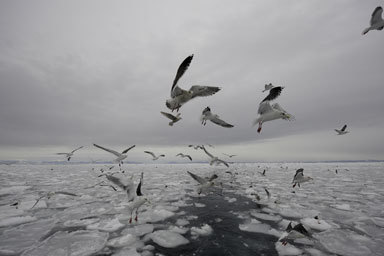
268,113
214,159
342,131
154,157
120,156
180,96
300,178
187,156
207,115
203,183
70,154
173,118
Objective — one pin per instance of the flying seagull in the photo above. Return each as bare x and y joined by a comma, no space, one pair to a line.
182,155
70,154
173,118
376,22
299,177
268,113
52,193
230,156
207,115
153,155
214,159
120,156
204,183
342,131
180,96
196,146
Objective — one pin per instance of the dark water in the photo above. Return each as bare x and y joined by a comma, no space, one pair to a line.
227,238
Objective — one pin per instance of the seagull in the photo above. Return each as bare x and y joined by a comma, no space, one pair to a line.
120,156
70,154
182,155
204,183
196,146
292,233
376,22
153,155
299,177
214,159
173,118
180,96
52,193
230,156
342,131
207,115
268,113
268,87
274,92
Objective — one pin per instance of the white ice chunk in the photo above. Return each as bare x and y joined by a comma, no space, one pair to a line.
287,249
168,239
343,207
82,243
108,225
182,222
320,225
264,216
259,228
127,252
205,230
179,230
156,215
122,241
199,205
139,230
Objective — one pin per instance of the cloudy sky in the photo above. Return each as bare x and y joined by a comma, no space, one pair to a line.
80,72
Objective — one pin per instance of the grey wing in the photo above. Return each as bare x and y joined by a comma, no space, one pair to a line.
149,152
125,151
214,176
190,158
65,193
344,127
278,107
197,178
201,91
180,154
206,152
220,122
116,181
299,172
108,150
264,107
223,162
180,71
376,15
273,93
170,116
77,149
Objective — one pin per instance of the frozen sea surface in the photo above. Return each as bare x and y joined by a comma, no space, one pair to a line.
234,218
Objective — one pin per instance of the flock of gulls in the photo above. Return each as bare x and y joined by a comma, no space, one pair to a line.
179,97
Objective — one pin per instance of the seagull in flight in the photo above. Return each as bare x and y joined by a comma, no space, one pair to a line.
214,159
207,115
268,113
299,177
52,193
70,154
182,155
342,131
196,146
204,183
180,96
173,118
120,156
292,233
153,155
230,156
376,22
274,92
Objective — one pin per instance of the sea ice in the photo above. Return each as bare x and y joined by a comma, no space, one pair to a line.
122,241
205,230
108,225
168,239
16,220
287,249
320,225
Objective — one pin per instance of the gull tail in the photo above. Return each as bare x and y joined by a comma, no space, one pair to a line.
365,31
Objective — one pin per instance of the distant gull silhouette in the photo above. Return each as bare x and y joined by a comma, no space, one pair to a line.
299,177
182,155
70,154
154,157
342,131
173,118
376,22
120,156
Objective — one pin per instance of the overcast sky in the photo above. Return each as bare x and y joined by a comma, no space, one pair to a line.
74,73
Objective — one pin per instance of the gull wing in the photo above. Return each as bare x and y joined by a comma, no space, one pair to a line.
138,189
170,116
190,158
149,152
214,176
273,93
344,127
279,108
299,172
180,154
108,150
116,181
202,91
125,151
215,119
73,151
222,161
175,90
268,87
264,108
301,229
210,155
376,15
197,178
61,153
